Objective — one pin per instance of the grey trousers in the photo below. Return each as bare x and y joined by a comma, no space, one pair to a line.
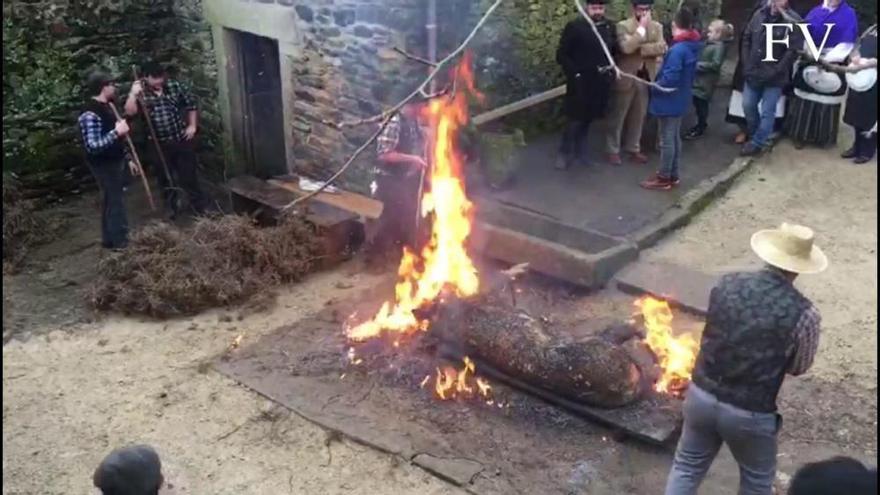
626,117
708,423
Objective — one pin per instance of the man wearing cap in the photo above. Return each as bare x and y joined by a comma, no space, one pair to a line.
641,47
103,139
582,58
759,328
133,470
168,101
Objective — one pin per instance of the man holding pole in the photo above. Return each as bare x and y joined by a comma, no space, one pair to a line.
588,86
103,136
165,101
400,174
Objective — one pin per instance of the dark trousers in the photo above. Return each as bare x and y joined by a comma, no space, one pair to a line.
184,170
701,106
399,195
864,146
574,139
110,175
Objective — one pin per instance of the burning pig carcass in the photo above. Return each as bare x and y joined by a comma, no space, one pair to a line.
439,293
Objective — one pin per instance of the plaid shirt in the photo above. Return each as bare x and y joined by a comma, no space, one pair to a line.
390,136
167,109
807,334
94,138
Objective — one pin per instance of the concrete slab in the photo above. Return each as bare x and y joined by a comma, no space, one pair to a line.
608,199
683,287
579,267
515,443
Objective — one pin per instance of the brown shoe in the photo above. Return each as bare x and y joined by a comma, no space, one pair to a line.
740,138
614,159
638,158
657,183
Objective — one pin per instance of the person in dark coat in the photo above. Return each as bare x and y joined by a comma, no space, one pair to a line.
832,476
861,102
588,86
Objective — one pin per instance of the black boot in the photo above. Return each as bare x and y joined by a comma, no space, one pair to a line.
852,152
696,132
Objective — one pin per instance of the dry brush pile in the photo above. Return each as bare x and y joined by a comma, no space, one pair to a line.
22,227
221,260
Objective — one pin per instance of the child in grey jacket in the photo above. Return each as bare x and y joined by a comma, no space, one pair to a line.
719,36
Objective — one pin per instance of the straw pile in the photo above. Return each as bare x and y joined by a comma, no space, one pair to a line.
222,260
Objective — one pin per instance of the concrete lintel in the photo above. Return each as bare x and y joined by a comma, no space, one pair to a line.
587,270
263,19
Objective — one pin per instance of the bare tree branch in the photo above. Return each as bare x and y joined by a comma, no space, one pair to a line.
386,116
414,57
612,64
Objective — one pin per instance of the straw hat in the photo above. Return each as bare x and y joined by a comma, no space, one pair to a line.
790,247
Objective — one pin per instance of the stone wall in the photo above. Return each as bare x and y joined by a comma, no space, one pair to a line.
58,41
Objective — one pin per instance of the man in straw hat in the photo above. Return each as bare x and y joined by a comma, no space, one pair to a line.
759,328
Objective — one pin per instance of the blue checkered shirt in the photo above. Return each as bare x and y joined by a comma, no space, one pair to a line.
167,109
94,137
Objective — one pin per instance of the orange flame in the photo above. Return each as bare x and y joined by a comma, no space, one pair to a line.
443,264
676,354
450,383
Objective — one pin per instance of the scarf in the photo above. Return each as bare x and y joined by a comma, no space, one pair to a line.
689,35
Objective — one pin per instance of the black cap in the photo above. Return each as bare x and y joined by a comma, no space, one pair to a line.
96,80
643,2
154,69
596,2
133,470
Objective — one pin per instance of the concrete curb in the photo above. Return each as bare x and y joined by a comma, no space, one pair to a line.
690,204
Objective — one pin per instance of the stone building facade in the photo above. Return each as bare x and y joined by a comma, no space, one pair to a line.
334,61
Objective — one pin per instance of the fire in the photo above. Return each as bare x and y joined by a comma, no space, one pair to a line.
443,264
450,383
676,354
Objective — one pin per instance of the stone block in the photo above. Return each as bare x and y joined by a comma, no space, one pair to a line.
683,287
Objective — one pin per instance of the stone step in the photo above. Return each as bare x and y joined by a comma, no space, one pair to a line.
683,287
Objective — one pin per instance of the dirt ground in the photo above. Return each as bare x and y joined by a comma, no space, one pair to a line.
76,386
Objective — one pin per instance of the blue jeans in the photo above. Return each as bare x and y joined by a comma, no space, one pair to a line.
759,121
751,437
114,224
670,146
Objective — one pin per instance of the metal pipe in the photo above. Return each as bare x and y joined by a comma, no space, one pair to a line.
431,30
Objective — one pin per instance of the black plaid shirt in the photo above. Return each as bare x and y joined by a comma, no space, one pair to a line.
167,109
94,137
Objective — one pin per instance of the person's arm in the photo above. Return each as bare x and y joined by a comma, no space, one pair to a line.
563,52
745,45
93,139
131,103
807,342
716,59
187,102
627,43
655,45
670,72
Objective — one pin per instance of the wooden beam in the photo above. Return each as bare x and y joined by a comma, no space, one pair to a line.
518,105
346,200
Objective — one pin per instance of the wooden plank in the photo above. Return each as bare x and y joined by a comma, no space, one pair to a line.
346,200
276,198
516,106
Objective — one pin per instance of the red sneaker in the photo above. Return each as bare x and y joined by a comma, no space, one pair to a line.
657,183
614,159
638,158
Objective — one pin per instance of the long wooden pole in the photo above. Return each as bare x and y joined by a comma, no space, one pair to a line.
137,160
143,104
